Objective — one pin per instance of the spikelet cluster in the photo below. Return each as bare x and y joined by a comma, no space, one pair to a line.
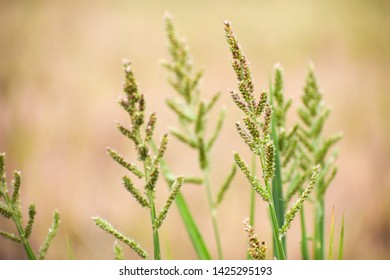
292,212
289,153
257,122
256,250
141,133
192,112
107,227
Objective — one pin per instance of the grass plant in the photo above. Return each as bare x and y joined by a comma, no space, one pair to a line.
288,157
290,166
11,208
141,134
193,114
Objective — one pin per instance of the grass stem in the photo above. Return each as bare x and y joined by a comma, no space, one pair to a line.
213,212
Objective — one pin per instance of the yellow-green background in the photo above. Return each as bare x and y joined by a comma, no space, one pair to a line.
61,75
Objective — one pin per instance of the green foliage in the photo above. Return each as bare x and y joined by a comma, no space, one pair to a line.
11,208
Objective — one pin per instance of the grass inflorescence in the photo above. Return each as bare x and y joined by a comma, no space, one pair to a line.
11,208
141,132
289,158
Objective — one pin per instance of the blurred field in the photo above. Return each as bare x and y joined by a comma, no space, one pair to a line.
61,75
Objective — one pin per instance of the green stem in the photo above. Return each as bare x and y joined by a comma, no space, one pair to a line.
277,185
304,245
213,212
150,194
319,240
156,239
252,208
192,229
279,250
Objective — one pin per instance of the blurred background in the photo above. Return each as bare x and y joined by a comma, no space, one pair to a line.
61,76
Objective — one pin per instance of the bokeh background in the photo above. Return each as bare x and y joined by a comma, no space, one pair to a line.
61,75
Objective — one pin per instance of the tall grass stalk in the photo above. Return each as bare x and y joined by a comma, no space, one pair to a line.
141,133
193,114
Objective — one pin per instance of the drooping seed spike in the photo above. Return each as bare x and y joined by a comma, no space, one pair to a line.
129,134
141,199
163,213
107,227
10,236
161,150
252,128
5,211
292,212
255,183
239,103
184,138
200,119
218,128
203,159
180,110
267,120
247,137
2,174
50,236
119,159
30,223
269,168
16,187
322,152
152,180
225,186
261,104
150,128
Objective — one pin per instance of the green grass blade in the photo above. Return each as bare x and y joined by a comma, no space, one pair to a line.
330,253
341,245
192,229
278,245
277,190
69,250
277,185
